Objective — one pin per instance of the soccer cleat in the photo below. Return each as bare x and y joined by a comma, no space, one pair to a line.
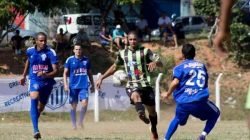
154,133
37,135
202,137
143,117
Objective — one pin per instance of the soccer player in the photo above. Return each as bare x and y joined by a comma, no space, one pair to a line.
224,26
79,69
138,62
42,66
190,87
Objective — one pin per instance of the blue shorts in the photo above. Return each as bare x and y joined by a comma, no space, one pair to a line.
78,94
44,88
203,110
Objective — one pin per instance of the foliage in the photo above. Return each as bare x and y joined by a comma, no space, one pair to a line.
206,7
10,10
240,43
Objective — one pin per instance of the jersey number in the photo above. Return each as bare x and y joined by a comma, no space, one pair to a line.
198,78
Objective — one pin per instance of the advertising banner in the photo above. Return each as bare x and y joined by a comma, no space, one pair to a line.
15,97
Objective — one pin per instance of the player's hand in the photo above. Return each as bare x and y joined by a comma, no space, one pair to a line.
98,83
165,95
22,81
41,74
66,88
92,89
151,66
218,40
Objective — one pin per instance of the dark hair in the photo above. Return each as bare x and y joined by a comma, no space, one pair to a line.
17,32
133,32
78,44
188,50
41,34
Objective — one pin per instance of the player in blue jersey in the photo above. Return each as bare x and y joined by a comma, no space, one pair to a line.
190,91
79,70
42,67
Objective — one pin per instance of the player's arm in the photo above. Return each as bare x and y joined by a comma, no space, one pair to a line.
172,87
91,79
109,72
51,74
25,72
225,11
65,79
224,25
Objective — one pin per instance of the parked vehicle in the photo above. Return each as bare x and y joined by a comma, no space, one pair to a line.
90,22
27,35
192,24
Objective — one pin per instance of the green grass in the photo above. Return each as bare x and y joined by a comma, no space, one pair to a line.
113,125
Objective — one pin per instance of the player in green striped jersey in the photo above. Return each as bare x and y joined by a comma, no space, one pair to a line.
138,62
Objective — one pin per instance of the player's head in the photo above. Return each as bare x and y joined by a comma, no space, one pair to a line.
188,51
17,32
132,39
78,50
41,40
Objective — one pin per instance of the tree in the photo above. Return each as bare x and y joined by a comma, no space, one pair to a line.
206,7
10,9
104,6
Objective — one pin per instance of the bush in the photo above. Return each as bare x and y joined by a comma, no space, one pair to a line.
240,44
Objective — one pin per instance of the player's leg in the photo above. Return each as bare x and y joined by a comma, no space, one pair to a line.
181,117
34,113
207,111
83,95
153,120
73,100
136,100
148,99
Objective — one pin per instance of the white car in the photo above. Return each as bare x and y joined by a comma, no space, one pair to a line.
90,22
27,35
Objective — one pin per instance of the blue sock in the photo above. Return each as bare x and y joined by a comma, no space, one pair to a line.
210,124
172,128
73,117
34,114
82,114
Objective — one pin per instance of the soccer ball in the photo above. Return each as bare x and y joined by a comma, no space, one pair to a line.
119,78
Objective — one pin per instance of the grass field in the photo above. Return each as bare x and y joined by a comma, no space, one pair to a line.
113,126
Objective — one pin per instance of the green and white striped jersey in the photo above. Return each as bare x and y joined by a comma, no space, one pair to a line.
135,62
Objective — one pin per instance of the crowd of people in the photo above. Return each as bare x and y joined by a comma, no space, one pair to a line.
189,85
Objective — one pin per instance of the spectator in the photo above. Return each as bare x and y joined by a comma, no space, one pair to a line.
16,42
119,37
166,29
82,39
105,38
61,41
142,28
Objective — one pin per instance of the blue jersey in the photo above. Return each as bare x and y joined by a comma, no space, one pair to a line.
193,85
78,72
40,61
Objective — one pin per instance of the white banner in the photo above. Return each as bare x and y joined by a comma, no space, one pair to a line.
14,97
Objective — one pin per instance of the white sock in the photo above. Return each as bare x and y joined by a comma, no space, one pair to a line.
204,133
